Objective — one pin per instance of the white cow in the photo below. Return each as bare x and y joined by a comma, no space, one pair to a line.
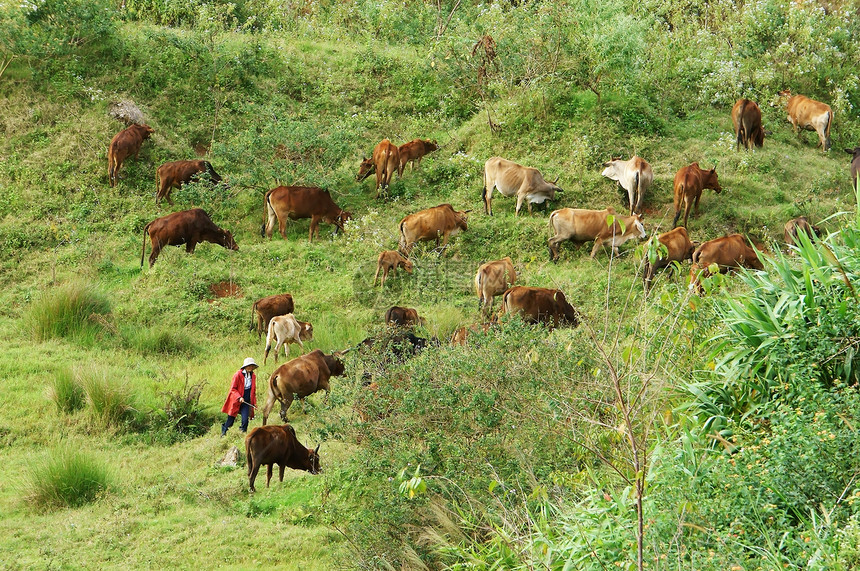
511,179
287,329
634,176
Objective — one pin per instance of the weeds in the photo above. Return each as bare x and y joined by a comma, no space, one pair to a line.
66,392
72,310
66,478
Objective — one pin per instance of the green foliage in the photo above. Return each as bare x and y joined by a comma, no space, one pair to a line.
74,310
183,414
66,392
109,402
159,340
66,477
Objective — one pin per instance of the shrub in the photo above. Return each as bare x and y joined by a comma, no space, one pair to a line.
74,310
158,341
67,478
183,414
109,403
66,392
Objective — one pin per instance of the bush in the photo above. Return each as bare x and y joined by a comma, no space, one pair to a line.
74,310
183,416
158,341
66,392
67,478
109,403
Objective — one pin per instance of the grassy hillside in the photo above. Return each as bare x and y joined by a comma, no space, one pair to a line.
274,96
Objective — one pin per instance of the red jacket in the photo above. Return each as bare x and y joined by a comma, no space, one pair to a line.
237,390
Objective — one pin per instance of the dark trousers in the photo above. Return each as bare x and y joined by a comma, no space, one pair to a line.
244,411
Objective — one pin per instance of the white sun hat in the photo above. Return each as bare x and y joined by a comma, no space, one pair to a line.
250,361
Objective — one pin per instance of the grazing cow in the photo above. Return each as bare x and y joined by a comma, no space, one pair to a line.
678,248
689,183
385,161
492,279
124,144
268,445
800,224
460,335
297,202
732,251
175,174
855,164
189,227
399,344
267,308
512,179
412,153
301,377
580,226
539,305
431,223
287,330
403,316
746,119
811,115
635,176
389,261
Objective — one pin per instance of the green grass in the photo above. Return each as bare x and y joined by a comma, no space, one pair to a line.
66,478
72,310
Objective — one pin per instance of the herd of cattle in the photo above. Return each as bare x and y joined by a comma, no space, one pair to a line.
311,372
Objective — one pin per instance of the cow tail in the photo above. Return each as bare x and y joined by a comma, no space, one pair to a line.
266,208
143,251
111,169
253,310
249,457
827,128
402,243
635,196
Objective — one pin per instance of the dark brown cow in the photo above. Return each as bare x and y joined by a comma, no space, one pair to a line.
412,153
746,118
689,183
539,305
800,224
728,252
124,144
175,174
297,202
385,161
267,308
580,225
189,227
403,316
492,279
430,224
678,248
268,445
855,164
389,261
301,377
809,114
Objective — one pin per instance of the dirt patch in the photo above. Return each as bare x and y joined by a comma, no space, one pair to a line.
225,289
200,149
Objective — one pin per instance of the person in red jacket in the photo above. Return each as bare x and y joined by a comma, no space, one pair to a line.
242,398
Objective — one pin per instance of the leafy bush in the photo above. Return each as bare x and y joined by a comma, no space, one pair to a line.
67,478
183,415
74,310
66,392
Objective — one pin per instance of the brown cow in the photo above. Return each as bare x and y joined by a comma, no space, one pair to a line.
403,316
175,174
728,252
268,445
429,224
124,144
635,176
189,227
385,161
297,202
809,114
286,329
412,153
539,305
389,261
580,226
301,377
492,279
746,119
799,224
512,179
689,183
678,248
268,307
460,335
855,164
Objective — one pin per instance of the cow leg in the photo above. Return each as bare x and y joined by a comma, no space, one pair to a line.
597,243
189,246
376,275
281,472
698,196
267,408
156,249
286,402
314,228
520,205
268,474
252,476
688,204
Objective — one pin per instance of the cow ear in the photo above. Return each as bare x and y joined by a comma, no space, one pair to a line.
849,151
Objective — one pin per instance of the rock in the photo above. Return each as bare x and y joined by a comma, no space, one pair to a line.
230,459
126,111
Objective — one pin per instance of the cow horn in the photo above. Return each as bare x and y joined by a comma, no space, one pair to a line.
317,449
467,211
343,352
556,179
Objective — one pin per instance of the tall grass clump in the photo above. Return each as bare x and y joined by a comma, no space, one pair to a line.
66,392
74,310
158,341
109,403
67,478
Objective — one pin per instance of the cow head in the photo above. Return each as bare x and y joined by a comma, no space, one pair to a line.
463,219
213,176
711,180
334,364
342,218
145,131
638,226
306,331
365,169
407,265
855,152
312,463
228,241
430,146
611,170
